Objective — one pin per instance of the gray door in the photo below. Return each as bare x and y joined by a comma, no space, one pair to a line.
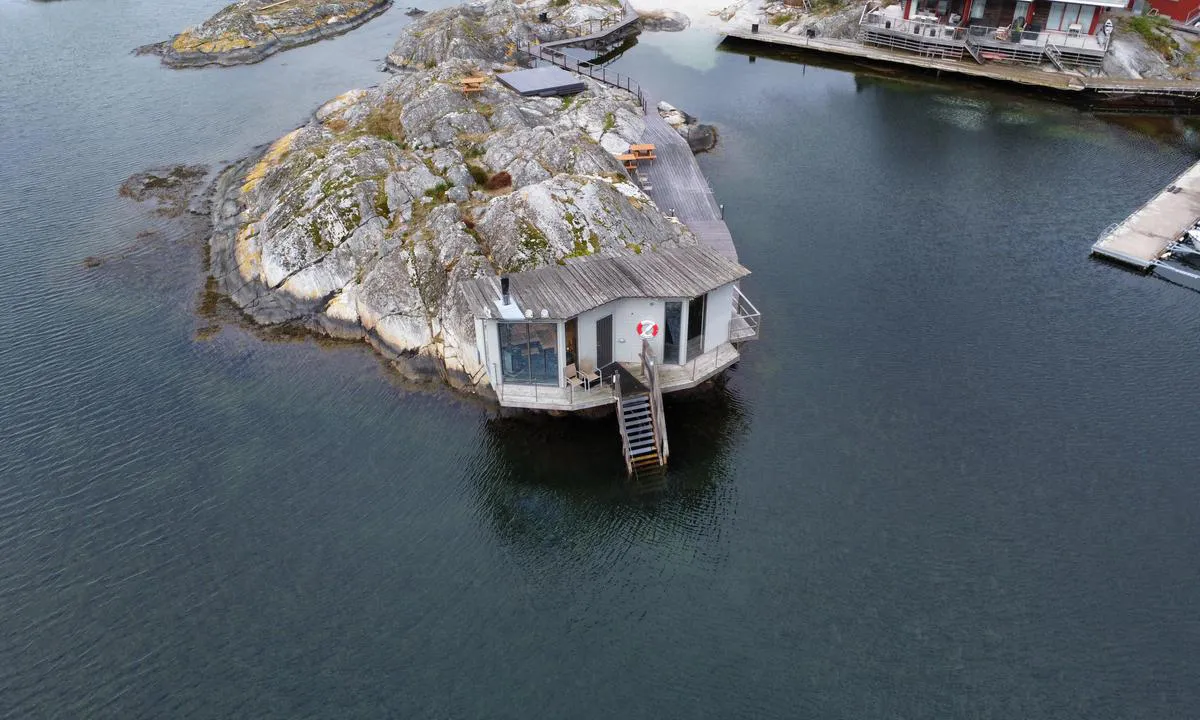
604,341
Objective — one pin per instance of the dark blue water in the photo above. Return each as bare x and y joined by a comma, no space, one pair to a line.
954,479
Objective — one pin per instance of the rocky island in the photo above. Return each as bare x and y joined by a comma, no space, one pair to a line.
360,224
249,31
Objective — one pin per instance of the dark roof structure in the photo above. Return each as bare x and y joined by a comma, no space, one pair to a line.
563,291
543,82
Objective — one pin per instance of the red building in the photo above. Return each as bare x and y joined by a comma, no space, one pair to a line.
1081,16
1181,10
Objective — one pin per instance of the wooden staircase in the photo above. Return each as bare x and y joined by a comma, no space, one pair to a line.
640,418
641,441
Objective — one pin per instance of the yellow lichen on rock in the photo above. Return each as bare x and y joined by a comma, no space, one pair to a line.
272,157
247,253
186,42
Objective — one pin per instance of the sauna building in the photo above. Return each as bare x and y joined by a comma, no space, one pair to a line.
557,338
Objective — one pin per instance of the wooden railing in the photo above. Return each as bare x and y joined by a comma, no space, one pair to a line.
621,424
657,412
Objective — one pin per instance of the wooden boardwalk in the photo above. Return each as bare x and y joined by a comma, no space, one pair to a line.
1142,238
678,185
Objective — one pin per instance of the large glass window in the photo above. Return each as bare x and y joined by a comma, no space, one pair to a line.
529,353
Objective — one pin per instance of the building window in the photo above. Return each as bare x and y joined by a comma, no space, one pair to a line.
529,353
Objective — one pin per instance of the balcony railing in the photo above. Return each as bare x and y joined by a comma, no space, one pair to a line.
1037,38
746,320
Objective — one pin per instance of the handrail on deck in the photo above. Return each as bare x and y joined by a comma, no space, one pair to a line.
621,423
614,79
744,311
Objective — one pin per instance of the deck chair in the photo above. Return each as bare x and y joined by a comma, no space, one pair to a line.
573,378
589,377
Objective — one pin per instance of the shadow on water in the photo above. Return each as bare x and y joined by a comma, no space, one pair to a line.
560,482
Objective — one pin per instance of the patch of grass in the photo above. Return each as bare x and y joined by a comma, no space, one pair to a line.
381,201
1152,30
478,174
561,3
566,101
430,64
438,192
610,121
782,18
384,122
318,239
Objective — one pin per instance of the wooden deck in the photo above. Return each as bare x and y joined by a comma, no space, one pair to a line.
1026,76
1142,238
679,185
850,48
671,378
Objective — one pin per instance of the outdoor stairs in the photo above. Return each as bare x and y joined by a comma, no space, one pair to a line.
971,48
1055,56
640,434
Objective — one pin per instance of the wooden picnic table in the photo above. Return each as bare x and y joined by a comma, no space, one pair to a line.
472,84
643,152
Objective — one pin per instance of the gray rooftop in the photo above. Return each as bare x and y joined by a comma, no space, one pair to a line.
543,82
565,291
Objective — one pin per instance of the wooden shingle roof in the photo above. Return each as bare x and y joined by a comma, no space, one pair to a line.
565,291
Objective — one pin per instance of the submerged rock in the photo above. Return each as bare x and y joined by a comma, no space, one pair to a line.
361,223
664,21
700,137
249,31
172,190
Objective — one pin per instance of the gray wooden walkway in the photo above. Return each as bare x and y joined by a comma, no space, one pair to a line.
605,30
678,185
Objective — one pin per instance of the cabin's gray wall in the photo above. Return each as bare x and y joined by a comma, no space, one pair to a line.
491,347
720,311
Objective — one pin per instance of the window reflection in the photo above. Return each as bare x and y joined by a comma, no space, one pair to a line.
529,353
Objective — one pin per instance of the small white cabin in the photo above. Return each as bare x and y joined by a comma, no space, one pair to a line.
553,338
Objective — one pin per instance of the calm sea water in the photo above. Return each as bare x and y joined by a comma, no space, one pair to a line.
956,478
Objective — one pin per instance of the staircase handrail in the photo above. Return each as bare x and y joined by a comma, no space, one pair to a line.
621,423
650,370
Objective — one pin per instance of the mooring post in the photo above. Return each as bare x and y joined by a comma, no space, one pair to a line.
722,207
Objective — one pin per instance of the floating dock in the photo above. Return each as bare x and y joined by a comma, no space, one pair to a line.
1143,238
